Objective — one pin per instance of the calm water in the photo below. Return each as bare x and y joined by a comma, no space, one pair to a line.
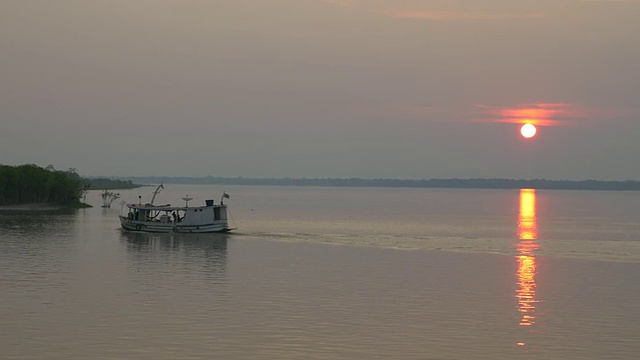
331,273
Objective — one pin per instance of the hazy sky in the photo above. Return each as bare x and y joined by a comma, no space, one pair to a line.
312,88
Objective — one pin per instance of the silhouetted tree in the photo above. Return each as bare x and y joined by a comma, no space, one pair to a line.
32,184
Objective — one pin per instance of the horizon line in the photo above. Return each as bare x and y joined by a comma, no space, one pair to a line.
303,178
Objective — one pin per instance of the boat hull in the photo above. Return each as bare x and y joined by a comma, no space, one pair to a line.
154,227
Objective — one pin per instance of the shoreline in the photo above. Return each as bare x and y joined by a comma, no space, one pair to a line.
434,183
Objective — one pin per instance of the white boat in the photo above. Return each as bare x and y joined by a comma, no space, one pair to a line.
178,219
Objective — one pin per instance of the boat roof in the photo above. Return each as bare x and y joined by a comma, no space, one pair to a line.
168,207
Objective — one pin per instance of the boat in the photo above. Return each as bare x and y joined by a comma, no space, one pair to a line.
176,219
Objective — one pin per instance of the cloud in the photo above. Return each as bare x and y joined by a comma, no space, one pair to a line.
542,114
552,114
454,15
420,112
344,3
425,13
539,114
613,1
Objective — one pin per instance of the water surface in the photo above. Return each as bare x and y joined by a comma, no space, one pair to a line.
331,273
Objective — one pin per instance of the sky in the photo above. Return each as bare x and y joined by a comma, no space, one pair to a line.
322,88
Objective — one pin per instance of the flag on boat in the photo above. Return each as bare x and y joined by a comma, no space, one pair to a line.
225,195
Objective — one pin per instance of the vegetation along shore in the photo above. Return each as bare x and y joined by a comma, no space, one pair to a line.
477,183
30,187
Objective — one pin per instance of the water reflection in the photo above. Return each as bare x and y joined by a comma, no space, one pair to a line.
37,248
199,252
37,222
526,273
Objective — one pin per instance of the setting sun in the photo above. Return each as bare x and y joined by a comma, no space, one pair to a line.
528,131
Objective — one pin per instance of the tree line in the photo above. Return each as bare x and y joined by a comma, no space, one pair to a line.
30,183
476,183
108,184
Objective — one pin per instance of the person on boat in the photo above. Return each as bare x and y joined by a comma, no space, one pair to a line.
176,218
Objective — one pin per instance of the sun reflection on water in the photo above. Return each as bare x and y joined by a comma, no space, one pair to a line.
528,234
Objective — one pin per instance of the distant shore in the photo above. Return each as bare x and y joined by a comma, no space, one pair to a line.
479,183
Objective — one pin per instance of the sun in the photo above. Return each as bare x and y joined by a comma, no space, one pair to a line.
528,131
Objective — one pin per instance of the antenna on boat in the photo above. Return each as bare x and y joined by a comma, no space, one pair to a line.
186,200
156,192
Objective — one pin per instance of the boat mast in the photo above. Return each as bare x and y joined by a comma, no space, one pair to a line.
156,193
